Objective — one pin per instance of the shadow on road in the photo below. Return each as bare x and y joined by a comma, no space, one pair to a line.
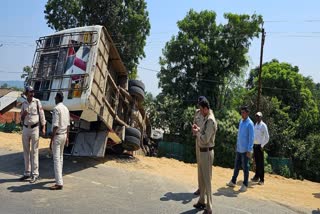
193,211
316,211
226,191
29,187
183,197
316,195
13,164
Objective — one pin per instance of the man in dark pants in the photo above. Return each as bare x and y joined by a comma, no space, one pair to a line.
244,149
261,138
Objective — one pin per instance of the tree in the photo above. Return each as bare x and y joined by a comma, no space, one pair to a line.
283,81
26,72
126,20
306,157
205,58
4,85
151,106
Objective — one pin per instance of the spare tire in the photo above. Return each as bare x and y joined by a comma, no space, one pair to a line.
133,132
131,143
137,83
137,91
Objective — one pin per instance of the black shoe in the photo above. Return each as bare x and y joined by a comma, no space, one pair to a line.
199,206
23,178
34,179
56,187
254,179
197,192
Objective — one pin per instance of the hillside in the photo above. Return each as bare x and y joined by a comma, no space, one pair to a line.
293,193
13,83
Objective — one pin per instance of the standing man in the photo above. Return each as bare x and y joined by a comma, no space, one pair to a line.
59,138
198,120
244,149
31,116
205,139
261,138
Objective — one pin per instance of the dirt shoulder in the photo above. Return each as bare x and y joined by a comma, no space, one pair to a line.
279,189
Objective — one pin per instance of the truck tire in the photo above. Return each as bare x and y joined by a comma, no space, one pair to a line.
118,149
137,91
133,132
137,83
131,143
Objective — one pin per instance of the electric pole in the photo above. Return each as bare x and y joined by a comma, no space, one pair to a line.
260,68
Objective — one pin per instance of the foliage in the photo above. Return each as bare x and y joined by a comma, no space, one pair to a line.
26,73
285,171
151,107
10,127
206,58
226,138
126,20
283,81
4,85
306,159
267,166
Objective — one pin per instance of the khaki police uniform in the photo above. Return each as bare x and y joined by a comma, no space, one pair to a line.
205,140
60,119
30,132
198,120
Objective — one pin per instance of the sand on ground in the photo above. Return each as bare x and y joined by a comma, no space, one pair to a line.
279,189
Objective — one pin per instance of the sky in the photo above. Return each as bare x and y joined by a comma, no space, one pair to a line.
292,33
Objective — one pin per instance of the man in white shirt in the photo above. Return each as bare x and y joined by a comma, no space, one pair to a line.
59,138
261,138
32,115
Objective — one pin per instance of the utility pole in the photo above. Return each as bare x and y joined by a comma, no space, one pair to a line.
260,68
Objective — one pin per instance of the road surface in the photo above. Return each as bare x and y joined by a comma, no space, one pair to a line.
94,187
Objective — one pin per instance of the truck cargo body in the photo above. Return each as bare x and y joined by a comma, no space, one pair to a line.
84,64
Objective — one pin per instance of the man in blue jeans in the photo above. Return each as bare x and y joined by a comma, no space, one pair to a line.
244,149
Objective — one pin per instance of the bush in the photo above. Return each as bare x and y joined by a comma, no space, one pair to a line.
10,127
285,171
267,166
225,143
306,159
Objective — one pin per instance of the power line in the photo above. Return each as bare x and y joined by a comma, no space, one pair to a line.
295,21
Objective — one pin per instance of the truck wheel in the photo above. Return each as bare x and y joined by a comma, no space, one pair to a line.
137,83
117,149
131,143
133,132
137,91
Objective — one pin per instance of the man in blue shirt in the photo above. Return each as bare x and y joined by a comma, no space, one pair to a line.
244,149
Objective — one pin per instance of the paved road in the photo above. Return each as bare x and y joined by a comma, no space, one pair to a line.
92,187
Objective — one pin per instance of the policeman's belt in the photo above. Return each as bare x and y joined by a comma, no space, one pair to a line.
61,133
206,149
31,126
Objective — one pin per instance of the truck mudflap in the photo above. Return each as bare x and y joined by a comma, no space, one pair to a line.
92,144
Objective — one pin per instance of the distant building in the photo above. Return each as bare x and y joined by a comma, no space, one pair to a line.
9,107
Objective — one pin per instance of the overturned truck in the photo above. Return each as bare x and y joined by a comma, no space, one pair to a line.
105,107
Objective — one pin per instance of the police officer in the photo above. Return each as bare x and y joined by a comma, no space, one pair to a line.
32,115
205,139
59,138
198,120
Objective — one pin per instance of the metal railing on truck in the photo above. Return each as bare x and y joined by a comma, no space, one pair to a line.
50,60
